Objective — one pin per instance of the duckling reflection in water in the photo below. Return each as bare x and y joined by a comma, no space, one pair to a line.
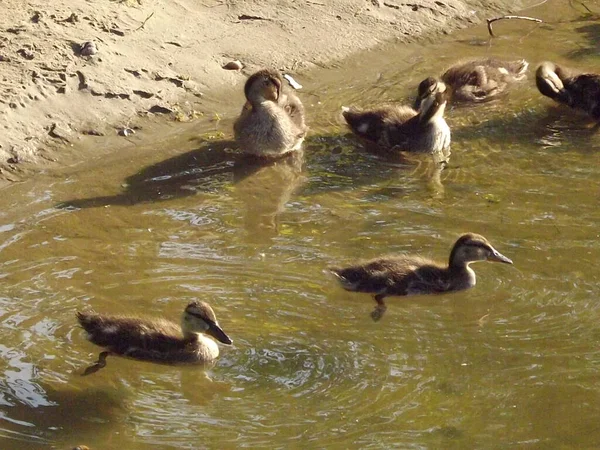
479,80
576,90
156,340
272,120
265,188
403,128
414,275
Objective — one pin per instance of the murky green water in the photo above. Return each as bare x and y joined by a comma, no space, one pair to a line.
512,363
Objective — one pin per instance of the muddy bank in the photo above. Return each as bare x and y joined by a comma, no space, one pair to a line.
146,57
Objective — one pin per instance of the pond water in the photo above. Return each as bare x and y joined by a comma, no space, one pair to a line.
511,363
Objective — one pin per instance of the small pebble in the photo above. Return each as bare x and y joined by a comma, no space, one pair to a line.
88,49
126,132
25,54
233,65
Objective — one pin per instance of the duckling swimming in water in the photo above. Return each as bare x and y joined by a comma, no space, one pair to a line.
414,275
156,340
403,128
479,80
271,123
579,91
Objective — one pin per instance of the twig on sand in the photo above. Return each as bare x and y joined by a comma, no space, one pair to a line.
490,21
144,22
582,4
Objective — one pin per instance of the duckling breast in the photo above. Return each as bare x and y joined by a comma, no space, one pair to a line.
267,130
435,137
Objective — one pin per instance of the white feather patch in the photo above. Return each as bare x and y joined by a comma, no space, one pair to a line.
362,128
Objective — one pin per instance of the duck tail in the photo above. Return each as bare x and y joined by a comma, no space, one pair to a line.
342,276
365,124
335,271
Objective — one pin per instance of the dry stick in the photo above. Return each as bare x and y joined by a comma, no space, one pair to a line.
144,22
582,4
490,21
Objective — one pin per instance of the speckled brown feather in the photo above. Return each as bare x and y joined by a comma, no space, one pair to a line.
395,276
483,79
401,127
156,337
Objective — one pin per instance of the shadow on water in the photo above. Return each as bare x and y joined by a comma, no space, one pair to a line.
592,34
183,175
68,417
265,186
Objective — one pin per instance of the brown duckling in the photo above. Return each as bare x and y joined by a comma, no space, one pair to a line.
579,91
402,127
478,80
156,340
414,275
271,123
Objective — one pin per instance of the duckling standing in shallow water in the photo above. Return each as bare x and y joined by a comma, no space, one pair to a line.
478,80
413,275
271,123
156,340
403,128
579,91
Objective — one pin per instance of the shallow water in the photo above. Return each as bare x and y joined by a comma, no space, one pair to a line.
512,363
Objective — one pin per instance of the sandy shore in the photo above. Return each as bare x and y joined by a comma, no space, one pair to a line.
152,57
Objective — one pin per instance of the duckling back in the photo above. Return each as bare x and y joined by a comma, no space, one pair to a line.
403,128
267,130
380,125
481,80
154,340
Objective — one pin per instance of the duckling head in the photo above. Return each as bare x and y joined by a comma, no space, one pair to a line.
548,79
471,248
264,85
424,90
199,317
433,100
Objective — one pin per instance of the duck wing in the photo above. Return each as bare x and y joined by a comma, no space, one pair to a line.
393,276
376,125
428,279
131,336
584,93
483,79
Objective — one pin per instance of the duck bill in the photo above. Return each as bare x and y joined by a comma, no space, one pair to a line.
215,331
496,256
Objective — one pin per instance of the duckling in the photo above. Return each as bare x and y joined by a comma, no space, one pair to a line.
414,275
272,121
403,128
478,80
156,340
579,91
